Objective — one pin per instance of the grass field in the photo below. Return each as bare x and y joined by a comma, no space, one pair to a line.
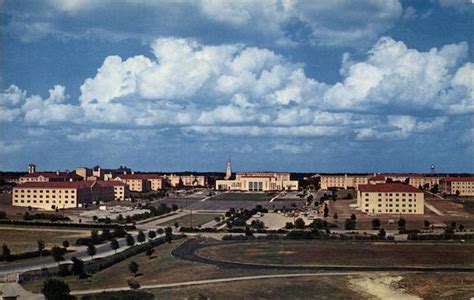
196,220
244,196
161,268
23,239
278,288
344,253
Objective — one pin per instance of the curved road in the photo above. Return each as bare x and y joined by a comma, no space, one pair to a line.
188,249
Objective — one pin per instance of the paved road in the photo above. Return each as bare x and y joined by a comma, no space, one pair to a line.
103,250
187,251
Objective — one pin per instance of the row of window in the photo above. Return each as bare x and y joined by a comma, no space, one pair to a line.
391,205
392,200
391,194
41,201
41,196
46,191
396,211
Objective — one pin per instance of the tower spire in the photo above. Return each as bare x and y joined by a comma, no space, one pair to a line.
228,169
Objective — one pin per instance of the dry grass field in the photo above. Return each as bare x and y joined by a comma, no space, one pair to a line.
161,268
23,239
344,253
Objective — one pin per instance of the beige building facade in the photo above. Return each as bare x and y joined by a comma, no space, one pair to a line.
462,186
135,182
342,181
187,180
258,182
390,198
121,190
62,195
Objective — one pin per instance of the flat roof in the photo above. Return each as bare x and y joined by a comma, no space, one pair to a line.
388,187
59,184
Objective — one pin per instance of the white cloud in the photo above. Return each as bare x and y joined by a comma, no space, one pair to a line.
234,90
396,76
367,19
293,148
45,111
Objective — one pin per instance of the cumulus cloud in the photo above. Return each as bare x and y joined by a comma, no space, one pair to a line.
402,78
234,90
52,109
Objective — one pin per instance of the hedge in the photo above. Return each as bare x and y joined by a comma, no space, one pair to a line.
59,224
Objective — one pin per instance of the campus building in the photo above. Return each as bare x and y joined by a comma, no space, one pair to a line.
121,190
461,186
135,182
342,181
258,182
390,198
52,195
187,180
352,181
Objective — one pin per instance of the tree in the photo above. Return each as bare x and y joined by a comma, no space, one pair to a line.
168,234
174,207
149,252
5,251
461,227
65,244
77,266
57,253
375,223
91,250
141,237
176,224
133,267
41,245
289,225
151,234
427,223
402,223
335,217
95,236
257,224
299,223
105,235
326,211
114,244
130,240
55,289
160,231
382,233
350,224
133,284
353,217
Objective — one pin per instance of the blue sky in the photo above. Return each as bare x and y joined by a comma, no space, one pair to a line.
323,86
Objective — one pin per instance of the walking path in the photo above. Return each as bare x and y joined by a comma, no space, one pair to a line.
433,209
208,281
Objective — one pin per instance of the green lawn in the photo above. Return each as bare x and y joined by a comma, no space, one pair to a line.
244,196
196,220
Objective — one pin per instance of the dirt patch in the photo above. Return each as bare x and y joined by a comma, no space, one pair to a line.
380,287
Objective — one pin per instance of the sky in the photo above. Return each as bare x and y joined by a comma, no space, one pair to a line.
281,85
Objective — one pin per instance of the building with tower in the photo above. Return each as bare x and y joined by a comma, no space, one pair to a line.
256,181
